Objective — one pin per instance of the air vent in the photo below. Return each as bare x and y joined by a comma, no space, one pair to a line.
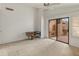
10,9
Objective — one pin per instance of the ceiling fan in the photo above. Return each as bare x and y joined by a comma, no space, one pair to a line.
50,4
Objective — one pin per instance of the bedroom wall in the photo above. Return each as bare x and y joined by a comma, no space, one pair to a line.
14,24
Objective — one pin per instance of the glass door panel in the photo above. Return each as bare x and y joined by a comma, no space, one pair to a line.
52,29
62,30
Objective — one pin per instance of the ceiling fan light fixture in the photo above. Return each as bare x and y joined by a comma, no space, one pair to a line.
46,4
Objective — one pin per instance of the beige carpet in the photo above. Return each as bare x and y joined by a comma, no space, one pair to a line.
37,47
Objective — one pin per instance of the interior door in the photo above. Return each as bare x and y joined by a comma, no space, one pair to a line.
63,30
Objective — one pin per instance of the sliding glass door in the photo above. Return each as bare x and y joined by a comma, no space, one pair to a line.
52,29
63,30
59,29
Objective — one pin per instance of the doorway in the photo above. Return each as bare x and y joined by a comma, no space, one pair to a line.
59,29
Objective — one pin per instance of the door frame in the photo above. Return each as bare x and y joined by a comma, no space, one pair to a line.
57,29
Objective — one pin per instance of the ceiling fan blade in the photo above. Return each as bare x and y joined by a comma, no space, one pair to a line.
54,4
51,4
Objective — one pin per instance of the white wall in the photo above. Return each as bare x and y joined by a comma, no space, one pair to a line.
63,13
14,24
37,21
40,21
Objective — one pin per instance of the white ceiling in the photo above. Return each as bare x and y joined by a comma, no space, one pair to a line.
40,5
52,5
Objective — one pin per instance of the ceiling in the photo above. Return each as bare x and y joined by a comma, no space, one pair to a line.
40,5
52,5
